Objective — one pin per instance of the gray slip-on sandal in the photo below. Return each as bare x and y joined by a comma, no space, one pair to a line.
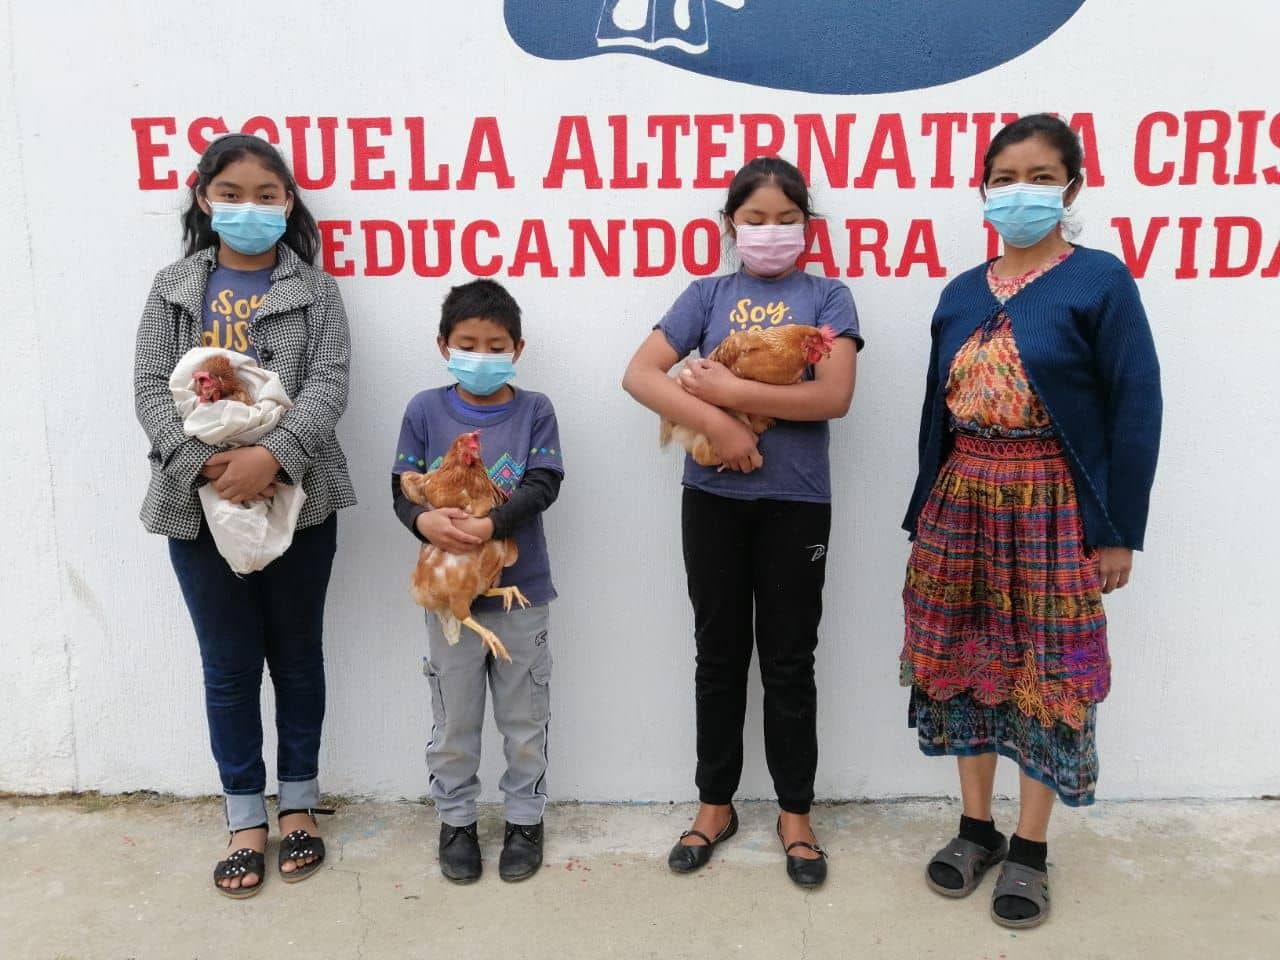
971,860
1026,883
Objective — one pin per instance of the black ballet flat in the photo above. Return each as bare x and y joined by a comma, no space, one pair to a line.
803,871
686,858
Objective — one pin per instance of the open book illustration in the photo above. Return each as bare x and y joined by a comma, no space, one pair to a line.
654,24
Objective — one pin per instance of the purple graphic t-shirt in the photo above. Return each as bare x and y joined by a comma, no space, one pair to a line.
231,302
796,461
515,437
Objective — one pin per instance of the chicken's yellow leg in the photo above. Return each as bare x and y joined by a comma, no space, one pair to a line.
490,639
508,594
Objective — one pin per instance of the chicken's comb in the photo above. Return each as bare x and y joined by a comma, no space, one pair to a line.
828,334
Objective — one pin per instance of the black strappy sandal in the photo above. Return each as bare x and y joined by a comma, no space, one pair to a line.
298,845
686,858
803,871
238,865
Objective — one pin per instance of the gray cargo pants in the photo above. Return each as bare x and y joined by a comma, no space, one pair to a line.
521,709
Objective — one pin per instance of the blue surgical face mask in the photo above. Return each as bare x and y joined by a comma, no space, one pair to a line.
1024,213
248,228
481,374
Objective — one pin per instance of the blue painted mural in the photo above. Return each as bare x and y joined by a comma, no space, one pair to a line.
816,46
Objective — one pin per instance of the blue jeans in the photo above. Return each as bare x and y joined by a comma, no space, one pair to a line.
274,616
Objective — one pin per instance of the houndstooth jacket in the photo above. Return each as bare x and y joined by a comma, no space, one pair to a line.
300,332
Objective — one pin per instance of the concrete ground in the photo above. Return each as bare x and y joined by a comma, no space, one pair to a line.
109,878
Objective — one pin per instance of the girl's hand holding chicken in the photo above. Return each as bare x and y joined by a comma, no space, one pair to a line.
735,443
712,383
243,474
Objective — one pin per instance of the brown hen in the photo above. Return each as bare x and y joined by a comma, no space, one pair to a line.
777,355
448,583
216,380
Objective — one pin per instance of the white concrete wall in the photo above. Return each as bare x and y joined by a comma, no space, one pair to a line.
37,746
99,673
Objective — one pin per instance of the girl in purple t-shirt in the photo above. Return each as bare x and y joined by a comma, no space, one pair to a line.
755,529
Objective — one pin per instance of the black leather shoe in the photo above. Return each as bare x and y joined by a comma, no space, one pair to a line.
460,853
803,871
686,858
521,852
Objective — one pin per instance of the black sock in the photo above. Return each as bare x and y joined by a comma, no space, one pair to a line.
1029,853
981,832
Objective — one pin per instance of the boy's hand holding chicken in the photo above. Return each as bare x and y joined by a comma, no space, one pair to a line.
454,530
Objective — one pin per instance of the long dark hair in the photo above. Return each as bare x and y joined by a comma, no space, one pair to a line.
768,170
1050,129
300,232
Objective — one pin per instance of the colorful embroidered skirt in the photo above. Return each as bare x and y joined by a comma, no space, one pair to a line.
1005,643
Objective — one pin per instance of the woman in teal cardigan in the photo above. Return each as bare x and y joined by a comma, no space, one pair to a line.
1038,443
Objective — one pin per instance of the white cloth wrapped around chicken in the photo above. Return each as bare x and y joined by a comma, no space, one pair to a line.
227,400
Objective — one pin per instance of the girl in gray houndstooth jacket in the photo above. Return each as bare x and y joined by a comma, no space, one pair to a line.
247,284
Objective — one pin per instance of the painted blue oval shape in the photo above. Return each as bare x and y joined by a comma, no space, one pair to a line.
814,46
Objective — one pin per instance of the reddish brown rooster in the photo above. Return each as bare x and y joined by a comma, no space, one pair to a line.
447,583
216,380
777,355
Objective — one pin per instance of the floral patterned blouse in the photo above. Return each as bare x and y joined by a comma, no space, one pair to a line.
988,392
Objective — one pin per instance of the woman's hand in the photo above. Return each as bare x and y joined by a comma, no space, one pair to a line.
710,382
1114,566
247,473
440,527
736,445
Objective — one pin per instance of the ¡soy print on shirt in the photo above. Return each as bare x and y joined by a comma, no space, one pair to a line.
748,315
229,328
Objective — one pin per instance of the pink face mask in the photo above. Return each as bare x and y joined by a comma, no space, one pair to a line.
770,250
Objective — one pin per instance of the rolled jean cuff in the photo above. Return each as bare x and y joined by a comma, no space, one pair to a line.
299,794
245,810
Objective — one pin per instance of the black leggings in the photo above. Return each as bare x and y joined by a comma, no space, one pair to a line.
770,554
